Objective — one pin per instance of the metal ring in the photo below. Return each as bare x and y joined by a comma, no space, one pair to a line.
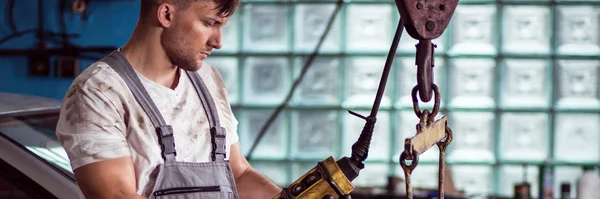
412,166
436,105
416,101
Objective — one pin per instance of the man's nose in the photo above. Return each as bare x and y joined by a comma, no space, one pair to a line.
215,41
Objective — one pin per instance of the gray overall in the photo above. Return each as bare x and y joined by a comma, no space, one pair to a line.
209,180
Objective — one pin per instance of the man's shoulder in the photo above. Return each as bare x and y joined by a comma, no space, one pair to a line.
210,71
97,73
213,80
98,77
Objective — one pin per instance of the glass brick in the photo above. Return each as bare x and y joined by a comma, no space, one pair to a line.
578,83
407,80
425,176
373,175
302,168
230,36
380,143
275,171
472,139
577,137
510,175
364,77
491,1
369,27
472,83
236,111
249,1
473,30
566,174
473,180
266,80
228,68
311,21
579,30
266,28
273,144
314,136
525,83
526,29
524,136
407,129
321,83
521,0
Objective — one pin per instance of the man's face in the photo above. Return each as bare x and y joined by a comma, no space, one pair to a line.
194,32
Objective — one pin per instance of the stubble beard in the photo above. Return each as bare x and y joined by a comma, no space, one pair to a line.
178,52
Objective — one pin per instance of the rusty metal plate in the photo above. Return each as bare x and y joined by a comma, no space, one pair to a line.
429,135
426,19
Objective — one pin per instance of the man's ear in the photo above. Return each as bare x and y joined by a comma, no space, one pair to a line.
165,14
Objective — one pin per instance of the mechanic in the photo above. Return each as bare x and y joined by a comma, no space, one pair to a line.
111,141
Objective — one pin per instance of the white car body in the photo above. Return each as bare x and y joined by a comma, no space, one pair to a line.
32,160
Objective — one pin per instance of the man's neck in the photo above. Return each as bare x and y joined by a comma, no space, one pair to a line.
146,55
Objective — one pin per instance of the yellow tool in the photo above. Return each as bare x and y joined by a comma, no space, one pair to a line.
323,181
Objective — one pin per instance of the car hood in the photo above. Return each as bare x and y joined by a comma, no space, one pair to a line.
12,104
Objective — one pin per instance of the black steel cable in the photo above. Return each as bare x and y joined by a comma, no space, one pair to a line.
40,33
25,32
298,80
17,34
360,149
11,16
63,22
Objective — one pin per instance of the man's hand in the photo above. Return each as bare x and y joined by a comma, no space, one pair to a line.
113,178
250,183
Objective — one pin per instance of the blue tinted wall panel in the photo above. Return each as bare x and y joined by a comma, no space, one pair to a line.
105,23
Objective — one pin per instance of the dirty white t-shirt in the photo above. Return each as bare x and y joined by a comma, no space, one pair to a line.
100,119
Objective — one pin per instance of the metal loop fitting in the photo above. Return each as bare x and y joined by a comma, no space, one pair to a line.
408,169
412,166
436,105
443,145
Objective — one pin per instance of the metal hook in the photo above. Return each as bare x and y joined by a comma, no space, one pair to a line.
425,64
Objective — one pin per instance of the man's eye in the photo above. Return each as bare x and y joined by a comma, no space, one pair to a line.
209,23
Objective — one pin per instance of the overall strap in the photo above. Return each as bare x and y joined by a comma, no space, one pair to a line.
217,133
119,63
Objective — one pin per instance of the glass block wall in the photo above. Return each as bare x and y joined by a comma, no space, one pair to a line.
519,82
